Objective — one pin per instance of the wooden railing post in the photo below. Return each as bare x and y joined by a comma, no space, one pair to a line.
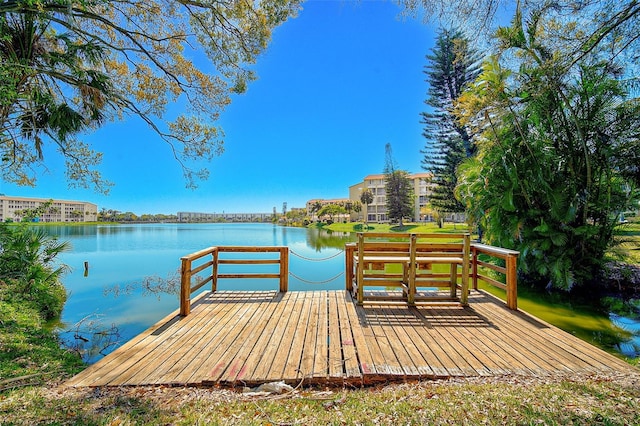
466,246
509,270
349,249
512,282
474,267
360,272
411,297
185,287
284,269
214,270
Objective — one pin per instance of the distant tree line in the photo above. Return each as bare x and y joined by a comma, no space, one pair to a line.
109,215
330,211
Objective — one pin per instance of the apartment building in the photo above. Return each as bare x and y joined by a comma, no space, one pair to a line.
376,211
13,209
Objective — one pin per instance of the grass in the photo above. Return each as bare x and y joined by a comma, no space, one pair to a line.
29,351
629,248
426,228
581,401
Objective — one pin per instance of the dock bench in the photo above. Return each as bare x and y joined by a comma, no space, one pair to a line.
413,256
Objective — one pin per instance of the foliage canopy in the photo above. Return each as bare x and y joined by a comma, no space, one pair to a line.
69,66
577,28
549,178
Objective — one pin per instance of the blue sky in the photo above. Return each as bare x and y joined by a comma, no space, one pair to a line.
336,84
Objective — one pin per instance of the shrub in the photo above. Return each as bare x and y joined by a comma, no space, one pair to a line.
28,264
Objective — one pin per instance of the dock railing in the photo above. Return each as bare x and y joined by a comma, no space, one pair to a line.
509,270
477,271
196,262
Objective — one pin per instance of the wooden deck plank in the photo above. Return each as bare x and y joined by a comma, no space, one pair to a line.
408,329
307,362
350,333
447,319
259,355
198,368
292,369
188,369
470,337
234,338
546,354
240,348
284,353
132,353
166,364
274,345
463,358
321,347
501,348
434,357
401,345
386,361
194,368
336,361
576,354
525,355
396,358
378,368
477,335
597,357
454,365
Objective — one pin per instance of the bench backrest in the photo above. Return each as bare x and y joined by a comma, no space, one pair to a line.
416,245
384,248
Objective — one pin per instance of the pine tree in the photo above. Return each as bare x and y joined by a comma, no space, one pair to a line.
398,188
453,64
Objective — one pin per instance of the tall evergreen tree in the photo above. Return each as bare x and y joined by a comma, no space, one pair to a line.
398,188
453,64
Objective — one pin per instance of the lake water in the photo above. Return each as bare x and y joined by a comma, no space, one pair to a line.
109,304
111,295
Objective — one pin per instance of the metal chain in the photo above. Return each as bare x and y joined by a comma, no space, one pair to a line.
315,260
315,282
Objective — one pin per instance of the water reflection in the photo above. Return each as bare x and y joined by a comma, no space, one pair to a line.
319,239
631,346
64,231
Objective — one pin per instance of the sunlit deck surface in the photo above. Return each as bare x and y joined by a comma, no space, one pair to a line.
323,337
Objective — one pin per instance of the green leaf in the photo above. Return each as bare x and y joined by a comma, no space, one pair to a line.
543,228
507,201
559,239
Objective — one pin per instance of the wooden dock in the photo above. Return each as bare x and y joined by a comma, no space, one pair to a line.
323,337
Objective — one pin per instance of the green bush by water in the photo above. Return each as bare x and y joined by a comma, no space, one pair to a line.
28,266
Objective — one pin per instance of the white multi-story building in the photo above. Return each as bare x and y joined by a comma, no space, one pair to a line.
14,208
376,211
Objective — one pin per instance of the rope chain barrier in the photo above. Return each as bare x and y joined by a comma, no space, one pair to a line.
318,259
315,282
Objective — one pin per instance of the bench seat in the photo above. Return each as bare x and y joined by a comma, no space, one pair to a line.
414,259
